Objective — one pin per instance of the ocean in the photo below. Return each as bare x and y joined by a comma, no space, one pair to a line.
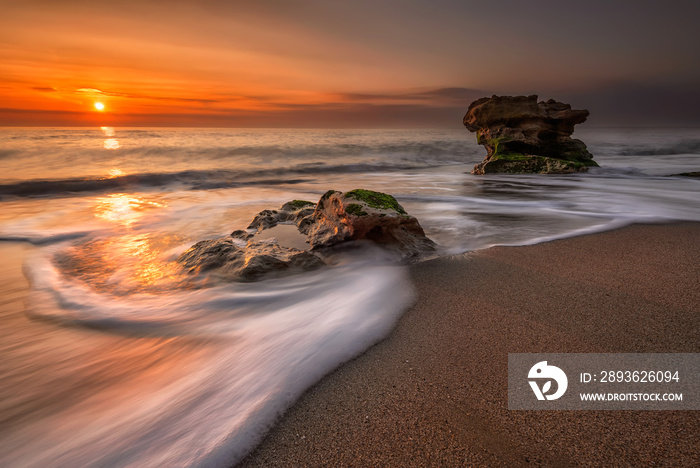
110,356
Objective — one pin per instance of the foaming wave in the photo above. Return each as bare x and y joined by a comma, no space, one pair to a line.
42,238
264,344
592,229
528,210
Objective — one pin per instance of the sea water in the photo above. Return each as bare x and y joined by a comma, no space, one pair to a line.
119,359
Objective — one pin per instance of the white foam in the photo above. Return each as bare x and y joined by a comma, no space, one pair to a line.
269,342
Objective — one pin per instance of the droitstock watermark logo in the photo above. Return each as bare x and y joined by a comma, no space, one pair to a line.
541,372
579,381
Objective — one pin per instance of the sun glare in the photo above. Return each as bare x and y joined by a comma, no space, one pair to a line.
111,144
99,106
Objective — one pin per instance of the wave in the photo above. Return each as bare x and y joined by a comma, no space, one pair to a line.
433,149
258,347
449,148
44,239
437,150
193,179
682,147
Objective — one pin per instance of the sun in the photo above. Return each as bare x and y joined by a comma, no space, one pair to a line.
99,106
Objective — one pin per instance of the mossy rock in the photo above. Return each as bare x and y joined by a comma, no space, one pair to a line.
515,163
365,215
377,200
503,159
355,209
512,157
497,144
297,204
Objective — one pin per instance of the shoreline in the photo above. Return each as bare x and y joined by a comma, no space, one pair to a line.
434,392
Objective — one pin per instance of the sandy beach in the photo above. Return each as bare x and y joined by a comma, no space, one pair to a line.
434,392
261,234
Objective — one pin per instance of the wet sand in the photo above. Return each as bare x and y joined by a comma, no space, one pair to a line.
434,392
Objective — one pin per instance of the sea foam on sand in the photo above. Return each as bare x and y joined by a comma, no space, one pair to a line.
259,346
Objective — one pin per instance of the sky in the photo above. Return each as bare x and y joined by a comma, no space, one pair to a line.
316,63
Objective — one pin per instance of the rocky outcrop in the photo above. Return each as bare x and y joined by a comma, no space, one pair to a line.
227,259
242,257
336,219
366,215
342,217
522,135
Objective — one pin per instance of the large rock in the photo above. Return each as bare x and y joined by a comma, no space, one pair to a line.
522,135
242,257
366,215
227,259
337,218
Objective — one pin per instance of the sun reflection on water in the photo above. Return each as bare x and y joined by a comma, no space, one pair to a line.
123,208
129,260
110,143
108,131
112,173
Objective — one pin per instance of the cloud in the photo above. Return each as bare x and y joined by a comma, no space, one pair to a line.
98,92
450,94
94,91
38,111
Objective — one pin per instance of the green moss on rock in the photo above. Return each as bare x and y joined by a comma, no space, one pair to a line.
497,145
514,163
355,209
296,204
512,156
579,160
377,200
